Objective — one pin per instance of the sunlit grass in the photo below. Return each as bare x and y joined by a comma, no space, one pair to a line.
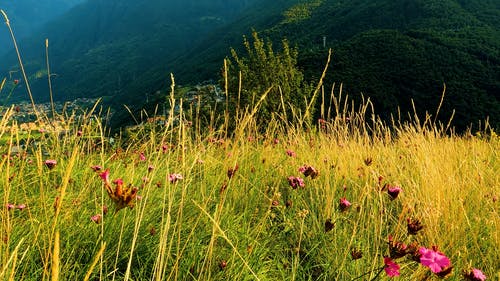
220,222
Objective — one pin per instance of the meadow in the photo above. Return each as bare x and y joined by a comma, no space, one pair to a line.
190,197
345,198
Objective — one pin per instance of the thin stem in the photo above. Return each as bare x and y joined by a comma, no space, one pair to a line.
48,76
366,273
7,22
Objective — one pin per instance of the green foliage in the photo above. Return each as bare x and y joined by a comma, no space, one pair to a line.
405,51
300,11
264,69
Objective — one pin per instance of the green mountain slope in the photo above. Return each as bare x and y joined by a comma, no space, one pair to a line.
28,16
395,52
104,47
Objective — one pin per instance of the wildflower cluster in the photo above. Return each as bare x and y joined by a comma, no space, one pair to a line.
296,182
309,171
123,196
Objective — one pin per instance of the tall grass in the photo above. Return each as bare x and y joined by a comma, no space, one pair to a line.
234,214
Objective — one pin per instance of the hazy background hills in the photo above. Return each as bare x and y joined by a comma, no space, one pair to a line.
28,16
391,51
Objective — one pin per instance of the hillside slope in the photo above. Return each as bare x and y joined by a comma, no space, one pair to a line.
28,16
104,46
406,50
395,52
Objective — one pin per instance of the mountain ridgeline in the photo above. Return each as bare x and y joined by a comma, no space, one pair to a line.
398,53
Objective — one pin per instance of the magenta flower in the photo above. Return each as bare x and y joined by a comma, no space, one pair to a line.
394,191
344,204
173,178
309,171
96,218
397,249
142,157
296,182
390,267
21,207
475,275
302,169
433,259
50,163
414,226
96,168
164,148
291,153
118,182
10,206
105,176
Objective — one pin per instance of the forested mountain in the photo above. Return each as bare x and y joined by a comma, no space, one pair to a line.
393,51
104,47
28,16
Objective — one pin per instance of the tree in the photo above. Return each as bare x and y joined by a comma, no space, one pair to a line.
262,69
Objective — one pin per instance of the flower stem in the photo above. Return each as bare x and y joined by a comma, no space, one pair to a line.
378,273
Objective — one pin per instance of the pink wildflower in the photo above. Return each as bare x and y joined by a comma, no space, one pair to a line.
105,176
173,178
433,259
21,207
79,133
302,169
309,171
397,249
344,204
296,182
50,163
475,275
390,267
10,206
142,157
394,191
96,168
118,182
96,218
291,153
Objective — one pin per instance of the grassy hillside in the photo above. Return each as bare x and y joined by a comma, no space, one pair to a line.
340,200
